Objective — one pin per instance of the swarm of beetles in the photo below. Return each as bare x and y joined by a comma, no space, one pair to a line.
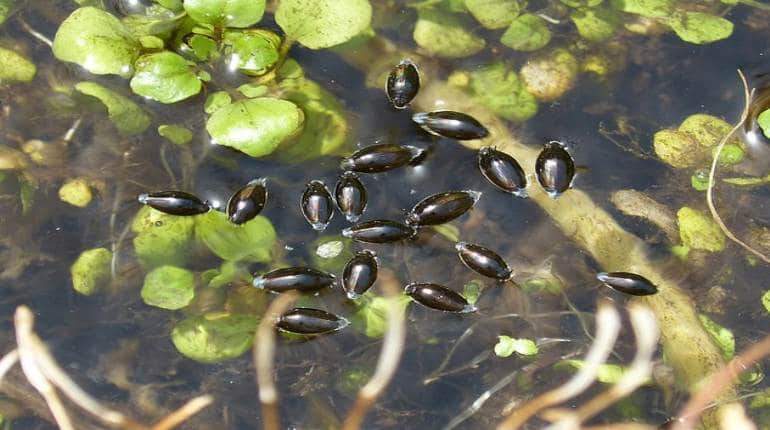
555,171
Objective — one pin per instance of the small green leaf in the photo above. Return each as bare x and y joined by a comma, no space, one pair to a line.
151,42
176,134
253,90
216,337
97,41
216,101
707,130
229,272
526,33
595,25
249,242
204,47
449,231
444,35
76,192
371,317
321,24
159,25
699,231
330,253
648,8
722,337
550,75
677,148
226,13
700,28
253,52
127,116
5,9
700,180
499,88
165,77
506,346
607,373
766,301
16,67
169,287
582,3
256,126
763,120
91,270
161,238
494,14
747,182
731,154
472,291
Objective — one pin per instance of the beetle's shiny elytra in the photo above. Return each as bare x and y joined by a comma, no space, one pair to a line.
310,321
483,261
302,279
503,171
629,283
454,125
350,196
359,274
438,297
379,231
174,202
555,168
382,157
403,84
441,208
247,202
317,205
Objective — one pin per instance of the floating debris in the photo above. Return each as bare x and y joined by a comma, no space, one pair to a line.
317,206
438,297
483,261
379,231
248,202
174,202
555,169
382,157
503,171
310,321
302,279
350,196
359,274
403,84
454,125
441,208
629,283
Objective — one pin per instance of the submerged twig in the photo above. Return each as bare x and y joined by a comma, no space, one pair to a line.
192,407
34,33
7,363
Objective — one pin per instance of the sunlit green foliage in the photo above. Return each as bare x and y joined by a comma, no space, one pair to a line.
165,77
251,242
225,13
444,35
161,238
722,337
169,287
127,116
371,316
252,51
507,345
76,192
698,231
499,88
214,337
91,270
527,33
323,23
176,134
16,67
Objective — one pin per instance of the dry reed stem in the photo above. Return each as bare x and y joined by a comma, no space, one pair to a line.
7,363
192,407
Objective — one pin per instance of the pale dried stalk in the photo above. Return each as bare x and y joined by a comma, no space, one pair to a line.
734,418
192,407
7,362
607,328
264,355
390,355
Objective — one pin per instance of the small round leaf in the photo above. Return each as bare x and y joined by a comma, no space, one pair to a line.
226,13
321,24
169,287
165,77
216,337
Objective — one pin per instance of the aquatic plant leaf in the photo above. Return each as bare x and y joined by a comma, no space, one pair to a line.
127,116
707,130
731,154
165,77
507,345
326,127
225,13
253,90
371,317
677,148
214,337
766,301
159,24
169,287
526,33
252,241
722,337
176,134
255,126
76,192
607,373
699,27
175,5
748,182
28,191
499,88
549,76
543,283
763,120
494,14
648,8
12,159
151,42
91,270
253,52
16,67
330,253
321,24
700,180
161,238
97,41
5,9
596,24
216,101
204,47
698,231
227,273
444,35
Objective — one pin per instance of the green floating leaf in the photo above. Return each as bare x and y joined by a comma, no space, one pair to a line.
151,42
228,272
472,291
449,231
253,52
97,41
253,90
127,116
700,180
707,130
698,231
16,67
91,270
506,346
249,242
5,9
216,101
225,13
330,253
204,47
371,317
161,238
176,134
169,287
494,14
648,8
766,301
256,126
550,75
444,35
677,148
160,24
731,154
216,337
763,120
607,373
722,337
165,77
76,192
595,25
526,33
326,128
747,182
700,28
499,88
321,24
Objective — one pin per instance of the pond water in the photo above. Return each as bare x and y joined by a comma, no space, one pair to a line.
119,348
